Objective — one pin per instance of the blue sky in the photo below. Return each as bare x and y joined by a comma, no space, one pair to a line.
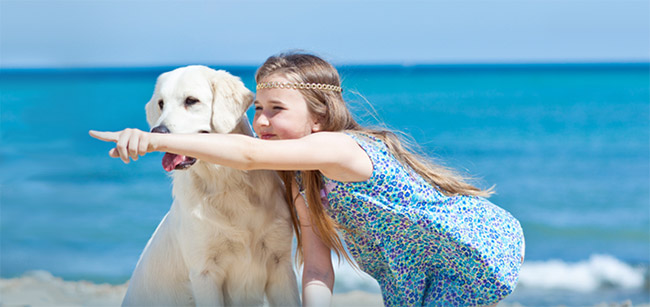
113,33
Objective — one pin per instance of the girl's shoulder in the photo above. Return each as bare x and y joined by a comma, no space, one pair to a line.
338,138
368,142
330,138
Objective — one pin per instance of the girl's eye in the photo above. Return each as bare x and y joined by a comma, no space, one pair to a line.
278,108
161,103
258,108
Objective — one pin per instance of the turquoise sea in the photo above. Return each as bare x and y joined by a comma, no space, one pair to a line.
567,147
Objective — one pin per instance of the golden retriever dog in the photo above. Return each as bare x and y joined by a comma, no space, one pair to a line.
226,239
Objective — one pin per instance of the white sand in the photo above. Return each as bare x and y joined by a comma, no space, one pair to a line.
40,288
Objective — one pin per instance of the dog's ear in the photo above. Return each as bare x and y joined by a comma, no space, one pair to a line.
153,111
152,108
230,101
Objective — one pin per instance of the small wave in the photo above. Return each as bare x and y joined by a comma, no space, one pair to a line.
597,272
593,274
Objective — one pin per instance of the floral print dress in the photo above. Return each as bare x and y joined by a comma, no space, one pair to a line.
422,247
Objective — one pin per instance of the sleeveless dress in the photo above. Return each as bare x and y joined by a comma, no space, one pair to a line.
422,247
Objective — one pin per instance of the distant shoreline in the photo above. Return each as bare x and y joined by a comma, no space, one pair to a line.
347,66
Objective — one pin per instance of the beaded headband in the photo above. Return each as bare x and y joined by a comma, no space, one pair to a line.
299,86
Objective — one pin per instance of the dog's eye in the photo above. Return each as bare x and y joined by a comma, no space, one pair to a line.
161,103
190,101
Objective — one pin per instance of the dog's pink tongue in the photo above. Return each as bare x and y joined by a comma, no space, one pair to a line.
170,160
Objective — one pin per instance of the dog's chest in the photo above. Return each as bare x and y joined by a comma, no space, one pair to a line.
225,214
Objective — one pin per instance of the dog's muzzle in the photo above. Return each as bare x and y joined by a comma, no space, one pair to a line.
172,161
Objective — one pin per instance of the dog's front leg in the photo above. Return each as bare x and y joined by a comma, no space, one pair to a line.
207,288
282,288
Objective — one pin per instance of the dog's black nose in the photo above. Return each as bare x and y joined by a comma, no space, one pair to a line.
160,129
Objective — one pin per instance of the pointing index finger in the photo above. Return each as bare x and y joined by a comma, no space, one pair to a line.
104,135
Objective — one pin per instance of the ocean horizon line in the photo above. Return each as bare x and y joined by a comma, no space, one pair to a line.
346,66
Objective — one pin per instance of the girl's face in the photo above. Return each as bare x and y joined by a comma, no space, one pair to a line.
282,113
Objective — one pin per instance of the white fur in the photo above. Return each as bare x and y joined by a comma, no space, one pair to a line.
227,238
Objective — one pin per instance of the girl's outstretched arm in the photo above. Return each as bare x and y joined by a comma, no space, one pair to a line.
335,154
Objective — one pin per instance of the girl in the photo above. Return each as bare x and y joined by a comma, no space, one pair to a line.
427,236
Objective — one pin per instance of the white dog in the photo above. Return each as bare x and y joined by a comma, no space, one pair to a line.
227,238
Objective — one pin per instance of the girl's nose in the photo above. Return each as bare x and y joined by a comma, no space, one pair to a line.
261,119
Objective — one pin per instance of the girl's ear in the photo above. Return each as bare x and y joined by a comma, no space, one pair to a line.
316,127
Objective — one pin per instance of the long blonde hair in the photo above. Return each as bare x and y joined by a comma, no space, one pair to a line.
333,114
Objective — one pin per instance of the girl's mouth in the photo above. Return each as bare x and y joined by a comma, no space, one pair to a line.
267,136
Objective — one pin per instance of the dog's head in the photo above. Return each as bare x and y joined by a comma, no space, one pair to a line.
196,99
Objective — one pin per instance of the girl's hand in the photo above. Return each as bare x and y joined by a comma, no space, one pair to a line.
130,143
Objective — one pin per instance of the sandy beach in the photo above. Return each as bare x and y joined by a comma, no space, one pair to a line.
40,288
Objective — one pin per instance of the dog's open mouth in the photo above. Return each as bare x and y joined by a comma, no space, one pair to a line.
172,161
